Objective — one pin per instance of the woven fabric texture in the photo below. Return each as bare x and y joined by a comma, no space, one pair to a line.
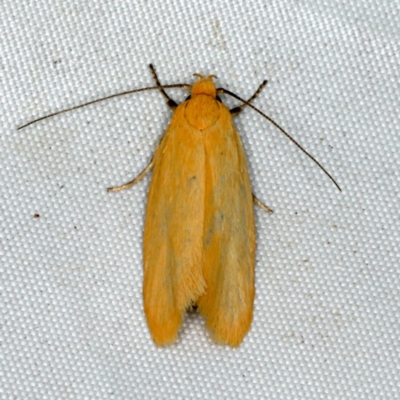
326,320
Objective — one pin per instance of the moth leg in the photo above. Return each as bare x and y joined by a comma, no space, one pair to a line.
239,109
134,181
261,205
171,103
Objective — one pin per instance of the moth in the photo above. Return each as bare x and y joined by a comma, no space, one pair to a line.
199,238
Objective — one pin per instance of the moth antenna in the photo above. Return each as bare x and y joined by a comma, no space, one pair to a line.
222,90
179,85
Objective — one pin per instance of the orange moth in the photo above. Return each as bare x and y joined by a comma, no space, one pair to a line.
199,236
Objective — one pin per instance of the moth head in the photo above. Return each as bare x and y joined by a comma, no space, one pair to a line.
204,85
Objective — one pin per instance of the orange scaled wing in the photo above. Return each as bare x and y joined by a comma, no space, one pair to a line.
173,235
229,235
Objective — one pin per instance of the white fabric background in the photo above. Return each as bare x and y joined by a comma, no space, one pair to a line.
326,321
